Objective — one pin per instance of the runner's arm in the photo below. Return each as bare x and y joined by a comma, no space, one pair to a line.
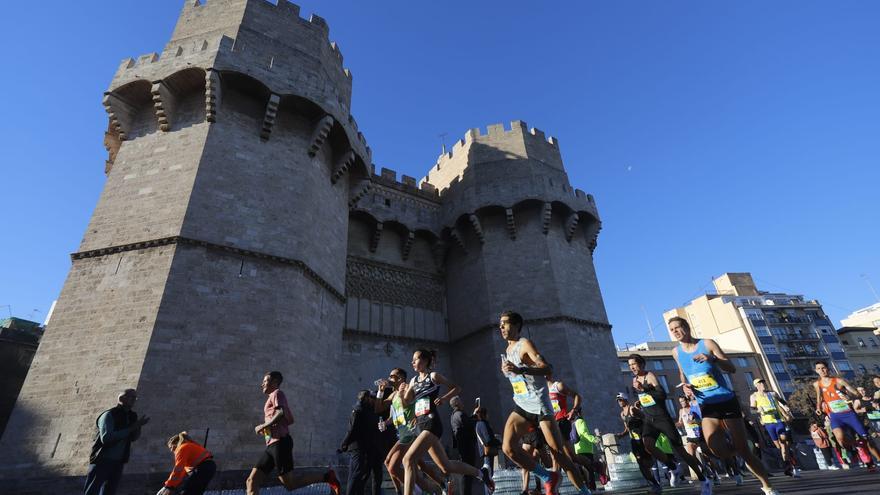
721,359
442,380
576,397
818,397
849,388
535,364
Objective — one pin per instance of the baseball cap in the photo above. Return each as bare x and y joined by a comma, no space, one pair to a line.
620,396
756,381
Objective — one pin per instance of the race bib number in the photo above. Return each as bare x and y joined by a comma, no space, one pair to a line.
838,406
874,415
398,419
634,435
423,406
646,400
703,382
519,386
555,404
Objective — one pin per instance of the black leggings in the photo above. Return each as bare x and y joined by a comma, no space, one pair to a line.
198,479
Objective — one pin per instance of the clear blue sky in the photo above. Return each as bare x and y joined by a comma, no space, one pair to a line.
715,136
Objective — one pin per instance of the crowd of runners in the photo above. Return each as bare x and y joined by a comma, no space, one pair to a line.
545,434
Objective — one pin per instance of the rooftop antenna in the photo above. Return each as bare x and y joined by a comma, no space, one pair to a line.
870,286
650,325
8,307
442,137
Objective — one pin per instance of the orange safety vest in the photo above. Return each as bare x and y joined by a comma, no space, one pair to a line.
187,456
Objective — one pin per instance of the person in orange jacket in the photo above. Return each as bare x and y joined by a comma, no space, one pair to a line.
193,467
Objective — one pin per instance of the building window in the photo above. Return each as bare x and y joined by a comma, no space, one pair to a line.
843,366
657,365
861,342
741,362
787,386
778,367
624,366
825,330
872,341
750,378
770,349
664,383
862,369
762,331
877,369
834,347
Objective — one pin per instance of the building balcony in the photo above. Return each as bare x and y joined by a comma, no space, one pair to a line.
801,373
788,320
804,354
796,337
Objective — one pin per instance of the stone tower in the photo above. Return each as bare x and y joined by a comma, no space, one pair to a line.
217,250
521,238
242,229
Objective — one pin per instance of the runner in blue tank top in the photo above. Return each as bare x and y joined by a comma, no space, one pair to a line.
700,363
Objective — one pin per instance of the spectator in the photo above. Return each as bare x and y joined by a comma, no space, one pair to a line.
117,428
464,438
364,443
487,445
820,438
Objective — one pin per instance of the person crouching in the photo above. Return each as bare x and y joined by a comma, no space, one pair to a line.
193,467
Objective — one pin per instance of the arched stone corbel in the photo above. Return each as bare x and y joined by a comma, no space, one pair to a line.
362,191
478,229
269,116
377,236
322,130
342,166
407,245
458,238
511,223
212,94
546,215
163,103
571,224
121,114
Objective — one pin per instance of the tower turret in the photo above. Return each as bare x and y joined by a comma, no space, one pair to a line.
216,252
521,238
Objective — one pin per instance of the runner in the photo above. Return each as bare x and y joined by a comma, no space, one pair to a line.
403,418
633,419
865,406
279,446
700,362
424,392
773,413
652,397
831,399
559,394
689,419
534,445
521,364
584,443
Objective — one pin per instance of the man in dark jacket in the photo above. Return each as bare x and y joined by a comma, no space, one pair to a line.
117,428
363,442
464,438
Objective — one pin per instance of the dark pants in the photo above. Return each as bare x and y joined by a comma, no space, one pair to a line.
103,478
829,457
361,465
468,456
198,479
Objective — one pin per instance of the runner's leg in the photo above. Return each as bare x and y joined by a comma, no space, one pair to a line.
736,428
557,451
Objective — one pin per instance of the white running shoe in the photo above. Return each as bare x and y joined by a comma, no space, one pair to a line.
796,473
706,487
770,491
833,468
739,480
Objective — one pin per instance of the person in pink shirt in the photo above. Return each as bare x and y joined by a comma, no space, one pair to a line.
277,418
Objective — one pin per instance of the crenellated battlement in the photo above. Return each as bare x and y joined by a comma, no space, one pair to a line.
495,144
407,184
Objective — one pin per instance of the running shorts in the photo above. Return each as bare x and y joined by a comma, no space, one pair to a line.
534,419
654,426
729,409
430,422
775,429
278,455
848,419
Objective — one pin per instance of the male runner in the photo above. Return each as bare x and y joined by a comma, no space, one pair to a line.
652,397
521,365
772,411
279,446
633,419
831,399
